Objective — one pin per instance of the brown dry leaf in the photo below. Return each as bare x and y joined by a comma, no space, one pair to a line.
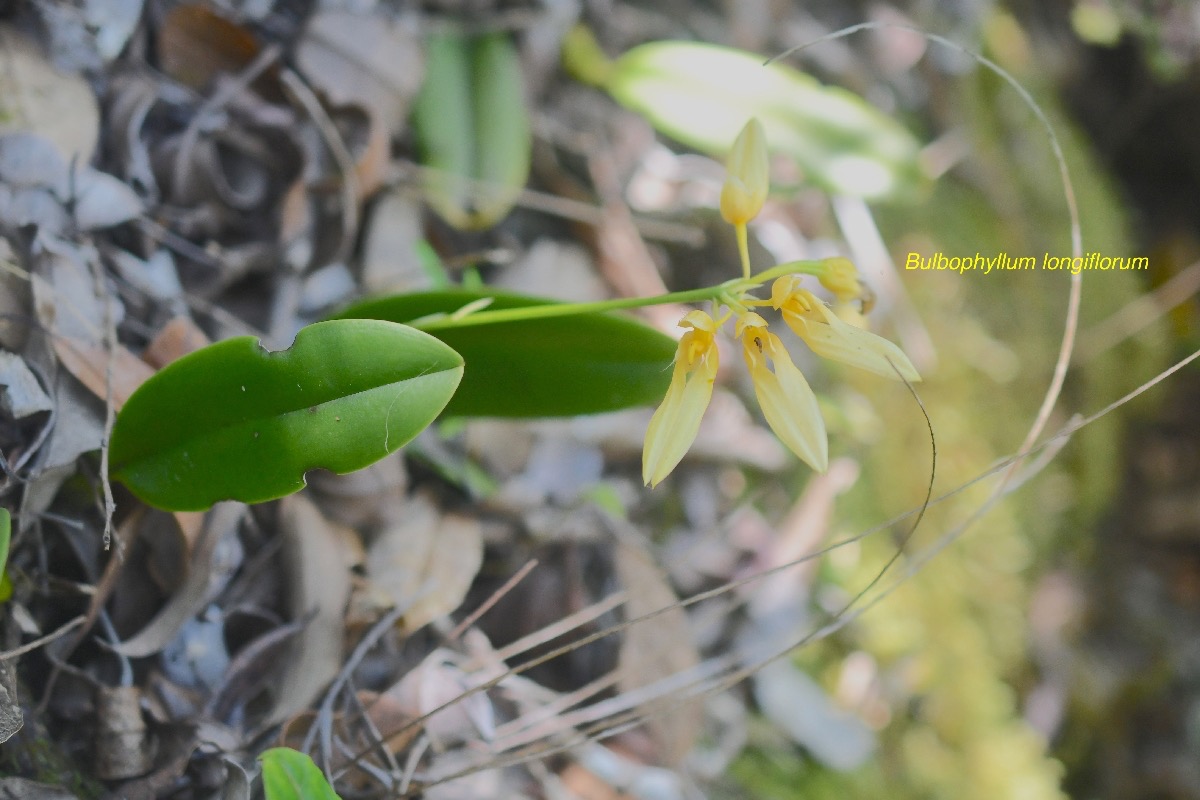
196,45
587,785
35,97
175,339
88,362
369,143
67,306
363,60
432,684
656,649
318,582
426,560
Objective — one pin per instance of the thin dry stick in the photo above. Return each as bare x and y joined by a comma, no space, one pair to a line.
341,155
110,411
29,647
1139,314
325,712
474,616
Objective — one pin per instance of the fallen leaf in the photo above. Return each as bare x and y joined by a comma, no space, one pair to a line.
102,201
393,231
196,44
113,21
434,683
89,363
37,98
178,337
656,648
28,159
319,585
364,60
20,392
426,561
156,276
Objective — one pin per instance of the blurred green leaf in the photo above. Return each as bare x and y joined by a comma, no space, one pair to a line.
558,366
702,95
235,422
291,775
473,128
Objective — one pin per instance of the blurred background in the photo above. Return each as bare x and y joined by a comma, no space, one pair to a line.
1035,636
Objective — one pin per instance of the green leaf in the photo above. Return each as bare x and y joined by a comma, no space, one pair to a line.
558,366
473,128
702,95
291,775
235,422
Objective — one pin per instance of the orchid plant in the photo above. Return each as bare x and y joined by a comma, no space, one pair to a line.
354,388
787,401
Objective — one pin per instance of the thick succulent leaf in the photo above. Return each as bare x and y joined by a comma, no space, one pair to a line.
473,128
291,775
235,422
702,94
558,366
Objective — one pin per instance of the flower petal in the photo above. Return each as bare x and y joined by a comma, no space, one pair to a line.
676,422
790,406
840,341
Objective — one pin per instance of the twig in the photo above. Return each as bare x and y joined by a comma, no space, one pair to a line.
50,637
341,154
1139,314
474,616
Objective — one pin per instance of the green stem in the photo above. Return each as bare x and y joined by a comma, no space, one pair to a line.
743,248
816,268
566,309
722,292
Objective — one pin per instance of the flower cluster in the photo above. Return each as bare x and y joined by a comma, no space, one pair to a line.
787,401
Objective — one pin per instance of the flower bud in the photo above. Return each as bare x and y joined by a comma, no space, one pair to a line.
748,177
841,278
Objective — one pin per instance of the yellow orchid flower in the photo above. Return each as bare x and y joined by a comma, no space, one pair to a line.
784,396
830,337
748,175
675,423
